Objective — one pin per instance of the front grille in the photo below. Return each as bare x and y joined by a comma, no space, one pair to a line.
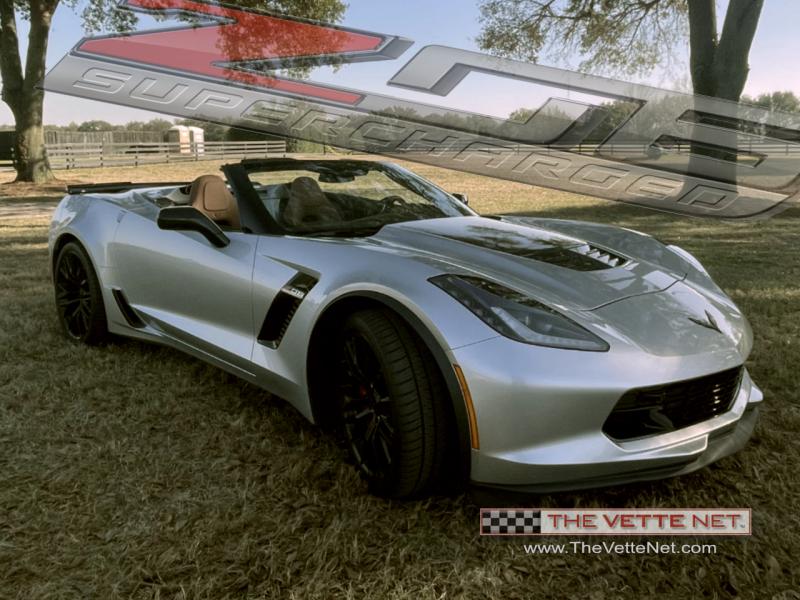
663,408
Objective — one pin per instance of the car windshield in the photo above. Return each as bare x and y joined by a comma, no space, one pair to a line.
348,197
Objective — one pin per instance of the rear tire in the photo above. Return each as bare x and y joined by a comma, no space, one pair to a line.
391,405
79,299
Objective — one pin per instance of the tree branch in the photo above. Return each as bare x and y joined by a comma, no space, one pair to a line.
703,45
730,63
35,62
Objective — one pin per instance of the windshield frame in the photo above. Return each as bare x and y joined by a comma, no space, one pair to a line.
246,190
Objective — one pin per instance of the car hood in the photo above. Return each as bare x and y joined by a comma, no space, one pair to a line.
563,270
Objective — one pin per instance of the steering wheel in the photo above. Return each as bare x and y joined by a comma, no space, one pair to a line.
389,201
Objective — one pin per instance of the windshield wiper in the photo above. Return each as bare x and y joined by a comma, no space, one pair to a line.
342,232
367,227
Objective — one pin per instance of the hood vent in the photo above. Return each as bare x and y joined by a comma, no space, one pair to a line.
604,256
580,258
566,253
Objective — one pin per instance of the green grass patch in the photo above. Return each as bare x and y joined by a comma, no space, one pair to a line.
135,471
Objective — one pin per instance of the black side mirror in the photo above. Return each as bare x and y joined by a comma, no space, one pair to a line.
188,218
462,197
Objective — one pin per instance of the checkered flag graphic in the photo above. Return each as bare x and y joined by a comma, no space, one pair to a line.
510,522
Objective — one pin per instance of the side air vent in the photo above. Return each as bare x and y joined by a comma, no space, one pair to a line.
127,310
283,309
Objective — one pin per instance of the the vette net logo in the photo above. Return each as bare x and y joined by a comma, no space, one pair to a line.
228,66
615,521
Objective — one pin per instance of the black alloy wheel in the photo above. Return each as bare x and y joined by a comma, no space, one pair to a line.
79,301
391,401
366,408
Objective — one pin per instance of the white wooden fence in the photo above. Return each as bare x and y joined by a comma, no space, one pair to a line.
73,156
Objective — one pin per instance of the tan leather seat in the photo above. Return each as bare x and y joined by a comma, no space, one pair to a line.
211,196
308,205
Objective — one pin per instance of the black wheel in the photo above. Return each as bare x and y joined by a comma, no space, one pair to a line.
79,300
391,405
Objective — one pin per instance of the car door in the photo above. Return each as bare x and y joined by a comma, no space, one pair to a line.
194,292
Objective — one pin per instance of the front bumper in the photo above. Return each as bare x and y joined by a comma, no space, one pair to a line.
720,444
540,415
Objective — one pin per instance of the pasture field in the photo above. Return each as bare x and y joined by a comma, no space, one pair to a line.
132,471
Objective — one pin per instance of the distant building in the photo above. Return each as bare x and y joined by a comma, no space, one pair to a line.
191,139
198,138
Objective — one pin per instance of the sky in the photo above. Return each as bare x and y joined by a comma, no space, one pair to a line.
773,61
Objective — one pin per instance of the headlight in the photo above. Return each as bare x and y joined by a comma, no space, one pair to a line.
516,316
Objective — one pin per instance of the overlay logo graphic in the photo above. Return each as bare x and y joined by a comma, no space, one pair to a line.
666,150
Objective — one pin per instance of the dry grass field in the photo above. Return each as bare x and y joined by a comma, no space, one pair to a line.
132,471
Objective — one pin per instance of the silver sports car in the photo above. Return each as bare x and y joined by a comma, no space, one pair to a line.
443,347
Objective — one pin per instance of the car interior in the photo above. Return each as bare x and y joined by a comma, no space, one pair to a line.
301,203
296,204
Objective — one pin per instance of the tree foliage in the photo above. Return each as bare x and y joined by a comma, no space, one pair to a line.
626,36
629,36
100,15
784,101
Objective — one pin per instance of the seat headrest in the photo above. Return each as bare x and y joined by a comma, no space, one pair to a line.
211,196
308,190
308,204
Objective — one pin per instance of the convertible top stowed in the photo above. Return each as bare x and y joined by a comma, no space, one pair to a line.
444,347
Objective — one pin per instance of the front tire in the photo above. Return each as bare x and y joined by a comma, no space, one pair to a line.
79,299
391,405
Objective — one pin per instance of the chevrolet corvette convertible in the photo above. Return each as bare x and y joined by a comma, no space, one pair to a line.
442,347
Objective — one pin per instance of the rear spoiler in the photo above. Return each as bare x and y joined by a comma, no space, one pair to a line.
119,186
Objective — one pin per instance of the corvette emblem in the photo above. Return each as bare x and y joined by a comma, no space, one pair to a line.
710,323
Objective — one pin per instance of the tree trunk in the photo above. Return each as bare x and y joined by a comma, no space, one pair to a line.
30,156
730,59
703,45
719,66
22,93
